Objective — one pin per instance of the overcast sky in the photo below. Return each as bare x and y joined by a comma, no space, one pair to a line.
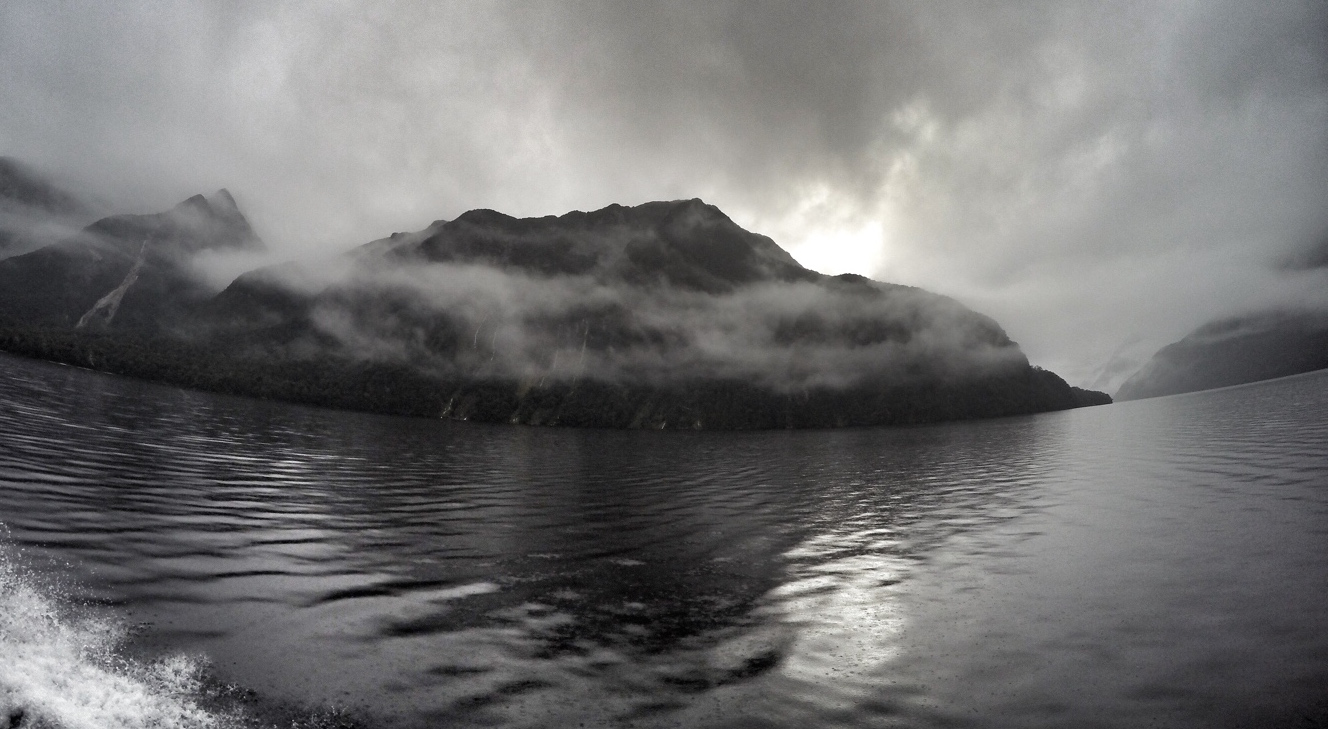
1092,175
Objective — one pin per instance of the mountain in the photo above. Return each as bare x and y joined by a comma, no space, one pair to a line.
125,271
662,315
666,314
1234,351
34,210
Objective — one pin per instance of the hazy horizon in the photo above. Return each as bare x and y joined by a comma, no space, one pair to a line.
1099,180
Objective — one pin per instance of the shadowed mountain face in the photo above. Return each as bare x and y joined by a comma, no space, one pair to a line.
661,315
126,271
34,211
686,245
661,293
1235,351
666,314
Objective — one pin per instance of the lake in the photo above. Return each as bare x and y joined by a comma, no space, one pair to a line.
1152,563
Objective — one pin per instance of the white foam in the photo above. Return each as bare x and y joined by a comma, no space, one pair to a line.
65,671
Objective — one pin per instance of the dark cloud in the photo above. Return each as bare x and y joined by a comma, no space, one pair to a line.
1089,174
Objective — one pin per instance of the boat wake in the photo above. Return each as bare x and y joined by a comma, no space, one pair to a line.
63,668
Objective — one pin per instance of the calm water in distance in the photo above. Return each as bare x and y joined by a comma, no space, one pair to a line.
1153,563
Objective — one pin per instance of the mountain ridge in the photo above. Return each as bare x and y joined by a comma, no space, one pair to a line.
1235,350
60,284
661,315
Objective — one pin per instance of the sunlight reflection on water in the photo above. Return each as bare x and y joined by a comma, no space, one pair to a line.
1152,561
841,600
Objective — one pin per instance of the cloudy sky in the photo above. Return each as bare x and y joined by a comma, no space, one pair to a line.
1099,177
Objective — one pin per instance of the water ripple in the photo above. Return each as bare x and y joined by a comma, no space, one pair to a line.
1156,561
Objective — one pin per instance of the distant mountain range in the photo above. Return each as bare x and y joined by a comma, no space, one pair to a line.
1234,351
1254,346
662,315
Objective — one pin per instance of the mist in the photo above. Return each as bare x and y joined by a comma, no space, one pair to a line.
1098,179
481,298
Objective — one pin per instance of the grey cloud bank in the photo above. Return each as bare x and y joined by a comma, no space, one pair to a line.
1099,178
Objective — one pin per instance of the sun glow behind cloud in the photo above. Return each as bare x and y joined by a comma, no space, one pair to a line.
1048,163
842,250
826,232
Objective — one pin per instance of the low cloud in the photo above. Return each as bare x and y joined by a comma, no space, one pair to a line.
485,322
1086,174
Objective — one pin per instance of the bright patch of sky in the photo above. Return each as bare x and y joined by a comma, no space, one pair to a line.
1090,175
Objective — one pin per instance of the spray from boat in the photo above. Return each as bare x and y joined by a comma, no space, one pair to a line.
64,667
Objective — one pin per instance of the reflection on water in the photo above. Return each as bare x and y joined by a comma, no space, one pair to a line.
1153,561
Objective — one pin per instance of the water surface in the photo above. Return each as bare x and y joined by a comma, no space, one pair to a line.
1159,562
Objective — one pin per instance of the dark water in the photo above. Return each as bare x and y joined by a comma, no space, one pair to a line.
1155,563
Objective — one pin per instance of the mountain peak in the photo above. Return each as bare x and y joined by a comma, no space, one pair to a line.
684,243
484,216
195,224
194,202
220,204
